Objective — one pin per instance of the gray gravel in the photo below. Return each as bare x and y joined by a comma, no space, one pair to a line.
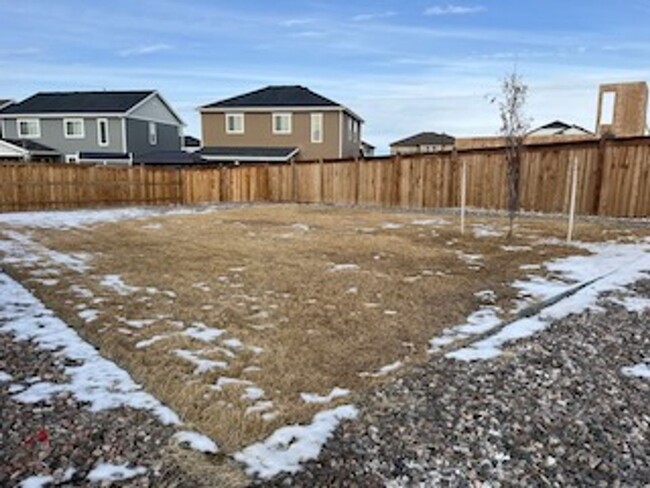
554,410
47,438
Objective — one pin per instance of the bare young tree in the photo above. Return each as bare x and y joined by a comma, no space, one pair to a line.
514,126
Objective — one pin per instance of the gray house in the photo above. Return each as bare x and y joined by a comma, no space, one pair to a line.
103,126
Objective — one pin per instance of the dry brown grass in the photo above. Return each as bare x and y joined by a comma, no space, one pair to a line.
269,283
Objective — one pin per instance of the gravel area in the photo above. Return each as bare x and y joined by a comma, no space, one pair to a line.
553,410
49,438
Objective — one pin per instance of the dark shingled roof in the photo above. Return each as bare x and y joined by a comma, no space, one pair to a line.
78,102
31,146
561,127
103,156
4,102
428,138
276,96
169,157
248,153
191,141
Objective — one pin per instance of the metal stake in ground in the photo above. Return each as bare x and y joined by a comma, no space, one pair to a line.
572,205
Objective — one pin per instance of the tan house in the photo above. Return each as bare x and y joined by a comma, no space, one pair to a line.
424,142
278,124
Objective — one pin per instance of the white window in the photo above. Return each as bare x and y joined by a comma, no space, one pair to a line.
350,129
153,133
607,108
73,128
234,123
282,123
102,132
316,128
29,128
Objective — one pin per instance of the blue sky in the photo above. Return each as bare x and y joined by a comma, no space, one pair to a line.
404,66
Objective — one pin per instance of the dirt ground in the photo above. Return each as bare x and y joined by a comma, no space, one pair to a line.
229,316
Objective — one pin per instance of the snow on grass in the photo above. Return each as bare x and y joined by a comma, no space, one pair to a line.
383,371
641,370
479,322
484,230
530,267
427,222
616,265
287,447
202,365
37,481
516,248
259,407
19,248
233,343
104,472
253,393
227,381
89,315
5,377
302,227
316,398
115,283
202,332
196,441
344,267
633,303
391,226
93,379
471,259
141,323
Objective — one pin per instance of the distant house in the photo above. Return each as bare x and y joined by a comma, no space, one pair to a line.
277,124
190,144
367,149
4,103
559,128
424,142
109,127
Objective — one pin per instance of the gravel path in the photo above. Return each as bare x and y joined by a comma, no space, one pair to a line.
554,410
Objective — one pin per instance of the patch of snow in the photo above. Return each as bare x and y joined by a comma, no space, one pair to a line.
203,333
353,290
344,267
37,481
95,380
89,315
253,393
227,381
479,322
516,248
115,283
316,398
486,295
5,377
234,343
196,441
430,222
633,303
114,472
530,267
390,312
202,365
483,230
383,371
288,447
641,370
139,324
616,264
259,407
303,227
391,226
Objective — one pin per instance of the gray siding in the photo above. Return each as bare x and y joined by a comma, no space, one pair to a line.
52,135
137,136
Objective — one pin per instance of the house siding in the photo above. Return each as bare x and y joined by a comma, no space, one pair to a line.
351,147
258,132
52,135
137,136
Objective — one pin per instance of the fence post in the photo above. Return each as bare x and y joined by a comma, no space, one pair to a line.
600,174
463,195
357,189
294,182
322,184
574,190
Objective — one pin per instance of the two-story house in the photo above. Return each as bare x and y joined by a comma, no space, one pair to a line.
278,124
98,126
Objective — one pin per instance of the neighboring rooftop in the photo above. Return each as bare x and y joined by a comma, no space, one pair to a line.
191,141
426,138
31,146
253,154
78,102
5,102
558,127
276,96
169,157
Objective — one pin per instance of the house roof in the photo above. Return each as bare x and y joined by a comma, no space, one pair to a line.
169,157
560,127
4,102
104,156
251,154
277,96
78,102
191,141
433,138
31,146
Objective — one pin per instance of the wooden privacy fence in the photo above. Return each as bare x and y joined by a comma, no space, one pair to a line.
613,180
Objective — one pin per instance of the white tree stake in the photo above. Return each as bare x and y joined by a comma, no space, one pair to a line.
463,196
574,191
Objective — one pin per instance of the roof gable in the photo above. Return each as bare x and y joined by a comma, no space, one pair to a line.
276,96
433,138
79,102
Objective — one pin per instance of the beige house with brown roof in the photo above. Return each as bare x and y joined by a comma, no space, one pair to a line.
278,124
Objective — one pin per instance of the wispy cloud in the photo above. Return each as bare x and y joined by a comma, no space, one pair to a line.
454,9
296,22
373,16
144,50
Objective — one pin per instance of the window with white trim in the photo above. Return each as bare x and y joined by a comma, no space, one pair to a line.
73,128
234,123
607,107
102,132
153,133
29,128
350,125
316,128
282,123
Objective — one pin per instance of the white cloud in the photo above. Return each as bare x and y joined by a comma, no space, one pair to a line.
373,16
146,49
453,10
296,22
